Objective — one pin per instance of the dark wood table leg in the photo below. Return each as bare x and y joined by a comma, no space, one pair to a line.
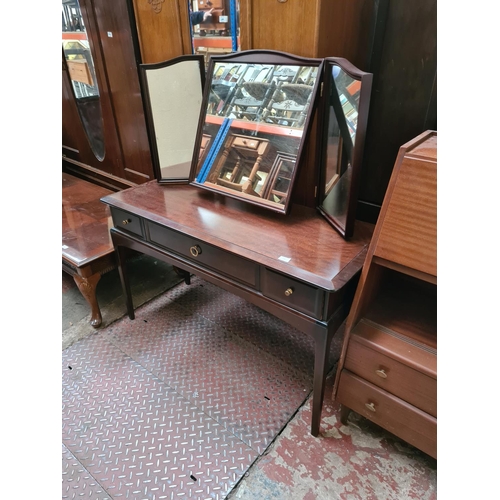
323,340
87,287
121,257
185,275
344,414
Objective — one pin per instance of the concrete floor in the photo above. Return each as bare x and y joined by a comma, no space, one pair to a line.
357,461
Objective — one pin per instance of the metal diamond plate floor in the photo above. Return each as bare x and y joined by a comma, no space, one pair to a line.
181,401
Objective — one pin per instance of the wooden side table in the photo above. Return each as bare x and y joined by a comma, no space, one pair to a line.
87,249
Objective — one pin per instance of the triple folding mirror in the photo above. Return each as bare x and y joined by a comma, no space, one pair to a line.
245,134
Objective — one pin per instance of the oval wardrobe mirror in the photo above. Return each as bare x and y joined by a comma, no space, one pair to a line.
173,91
256,111
215,27
344,116
78,57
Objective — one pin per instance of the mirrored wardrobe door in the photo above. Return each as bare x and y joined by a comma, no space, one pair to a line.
81,70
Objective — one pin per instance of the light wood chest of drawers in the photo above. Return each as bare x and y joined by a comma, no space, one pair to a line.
388,367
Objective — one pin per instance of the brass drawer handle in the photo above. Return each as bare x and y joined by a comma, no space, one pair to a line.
126,221
371,407
195,250
288,292
381,373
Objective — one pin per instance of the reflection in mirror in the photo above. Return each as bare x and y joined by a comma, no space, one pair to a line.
173,91
76,50
215,27
256,109
344,117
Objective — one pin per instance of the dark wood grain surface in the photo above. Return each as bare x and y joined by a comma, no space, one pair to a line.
301,244
85,221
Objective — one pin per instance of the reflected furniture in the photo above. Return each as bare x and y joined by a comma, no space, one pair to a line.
388,366
87,249
255,103
295,267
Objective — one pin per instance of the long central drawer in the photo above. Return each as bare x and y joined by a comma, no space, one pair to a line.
203,253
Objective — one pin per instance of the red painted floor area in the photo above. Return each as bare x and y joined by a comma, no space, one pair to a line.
205,396
360,461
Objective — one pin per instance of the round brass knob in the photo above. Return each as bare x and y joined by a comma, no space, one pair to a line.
126,221
195,250
288,292
381,373
371,407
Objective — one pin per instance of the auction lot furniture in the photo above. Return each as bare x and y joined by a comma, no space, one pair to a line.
87,250
295,266
388,367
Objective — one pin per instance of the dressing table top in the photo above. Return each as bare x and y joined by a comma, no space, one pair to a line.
301,244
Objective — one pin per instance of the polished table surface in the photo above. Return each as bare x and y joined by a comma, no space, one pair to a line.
85,221
295,266
301,244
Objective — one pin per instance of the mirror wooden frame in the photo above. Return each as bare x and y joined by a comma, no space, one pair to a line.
343,222
176,99
255,57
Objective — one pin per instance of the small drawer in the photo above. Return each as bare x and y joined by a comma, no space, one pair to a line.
397,378
128,222
202,253
243,142
293,293
393,414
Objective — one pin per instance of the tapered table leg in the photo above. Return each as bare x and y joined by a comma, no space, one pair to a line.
323,340
121,258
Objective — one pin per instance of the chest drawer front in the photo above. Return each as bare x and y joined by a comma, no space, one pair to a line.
293,293
407,383
207,255
393,414
128,222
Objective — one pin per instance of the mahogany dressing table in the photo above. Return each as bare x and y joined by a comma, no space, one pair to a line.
295,267
238,223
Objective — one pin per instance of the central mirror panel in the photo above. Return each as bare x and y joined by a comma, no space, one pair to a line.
256,111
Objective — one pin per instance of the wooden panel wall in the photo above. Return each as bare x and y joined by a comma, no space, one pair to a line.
316,28
289,27
403,102
345,30
163,29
